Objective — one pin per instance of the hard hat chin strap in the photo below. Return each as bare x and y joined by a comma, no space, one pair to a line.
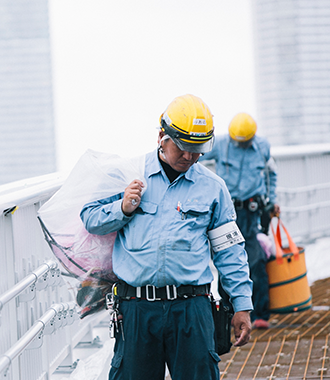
160,148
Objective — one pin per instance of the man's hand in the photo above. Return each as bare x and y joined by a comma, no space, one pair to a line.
132,197
242,327
277,211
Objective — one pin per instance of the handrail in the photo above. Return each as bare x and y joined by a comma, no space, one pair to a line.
309,207
26,282
303,189
26,192
288,151
7,358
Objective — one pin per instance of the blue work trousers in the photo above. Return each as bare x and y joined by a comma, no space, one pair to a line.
248,222
177,332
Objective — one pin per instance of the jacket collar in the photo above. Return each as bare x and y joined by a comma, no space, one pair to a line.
156,167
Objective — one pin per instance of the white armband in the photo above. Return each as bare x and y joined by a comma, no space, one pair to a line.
225,236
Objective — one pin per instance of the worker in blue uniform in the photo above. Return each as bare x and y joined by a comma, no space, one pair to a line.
244,161
162,252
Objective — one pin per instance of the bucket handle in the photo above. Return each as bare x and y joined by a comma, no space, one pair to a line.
278,242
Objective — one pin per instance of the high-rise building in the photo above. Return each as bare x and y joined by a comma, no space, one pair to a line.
292,54
27,137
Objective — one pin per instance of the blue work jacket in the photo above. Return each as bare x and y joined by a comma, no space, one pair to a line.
247,172
165,241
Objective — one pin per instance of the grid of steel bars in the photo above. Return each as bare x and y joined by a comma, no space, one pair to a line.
295,347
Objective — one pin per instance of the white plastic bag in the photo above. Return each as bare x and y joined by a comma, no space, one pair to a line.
96,176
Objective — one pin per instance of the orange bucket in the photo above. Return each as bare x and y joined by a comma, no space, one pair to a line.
287,277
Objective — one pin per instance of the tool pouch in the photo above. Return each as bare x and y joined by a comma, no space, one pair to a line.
222,316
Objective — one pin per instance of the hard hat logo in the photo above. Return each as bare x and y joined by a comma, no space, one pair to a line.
189,122
242,127
199,122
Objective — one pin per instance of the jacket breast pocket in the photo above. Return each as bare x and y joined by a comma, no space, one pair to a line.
256,169
188,226
139,231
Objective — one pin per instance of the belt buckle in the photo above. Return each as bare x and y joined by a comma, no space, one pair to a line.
153,298
168,292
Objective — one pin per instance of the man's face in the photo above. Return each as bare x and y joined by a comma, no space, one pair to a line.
179,160
243,144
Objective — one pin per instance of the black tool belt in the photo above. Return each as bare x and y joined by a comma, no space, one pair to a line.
253,204
152,293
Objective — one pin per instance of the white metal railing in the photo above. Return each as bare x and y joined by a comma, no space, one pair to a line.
65,313
46,272
27,191
304,190
310,191
40,326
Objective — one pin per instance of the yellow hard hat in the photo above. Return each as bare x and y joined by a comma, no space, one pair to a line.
242,127
189,123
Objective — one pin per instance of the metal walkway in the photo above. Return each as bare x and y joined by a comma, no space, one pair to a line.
295,347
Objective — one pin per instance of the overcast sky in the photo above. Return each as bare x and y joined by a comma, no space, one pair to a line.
118,64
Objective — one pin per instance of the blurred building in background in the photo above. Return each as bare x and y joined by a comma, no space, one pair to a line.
27,137
292,54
